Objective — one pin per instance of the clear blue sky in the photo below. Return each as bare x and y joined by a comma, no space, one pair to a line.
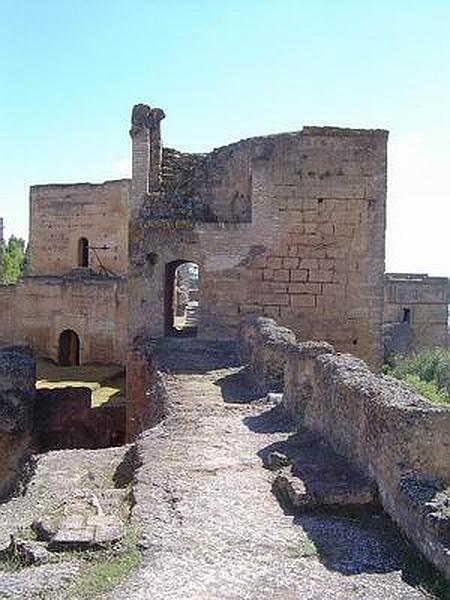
70,72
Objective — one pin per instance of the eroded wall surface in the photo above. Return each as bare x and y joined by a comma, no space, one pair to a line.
392,434
17,392
415,311
289,226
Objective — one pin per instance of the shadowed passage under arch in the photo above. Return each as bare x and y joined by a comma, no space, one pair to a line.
69,348
181,298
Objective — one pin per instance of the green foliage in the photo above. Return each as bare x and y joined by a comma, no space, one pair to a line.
12,260
428,389
428,371
104,572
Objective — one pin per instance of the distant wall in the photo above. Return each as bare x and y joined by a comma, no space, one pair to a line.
17,393
415,311
61,214
394,435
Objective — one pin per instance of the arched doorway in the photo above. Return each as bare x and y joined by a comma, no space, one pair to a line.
181,298
69,348
83,252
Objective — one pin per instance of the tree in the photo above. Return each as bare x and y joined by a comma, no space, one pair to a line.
12,260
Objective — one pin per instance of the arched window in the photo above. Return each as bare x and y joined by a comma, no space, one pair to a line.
69,348
83,252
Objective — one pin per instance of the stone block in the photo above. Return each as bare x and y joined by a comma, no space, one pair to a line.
299,275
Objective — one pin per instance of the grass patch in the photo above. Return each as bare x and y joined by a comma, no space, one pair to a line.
106,570
11,560
428,371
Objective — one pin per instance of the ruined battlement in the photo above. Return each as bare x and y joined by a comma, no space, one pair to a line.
41,188
396,437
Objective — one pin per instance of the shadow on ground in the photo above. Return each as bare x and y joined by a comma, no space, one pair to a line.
188,355
237,388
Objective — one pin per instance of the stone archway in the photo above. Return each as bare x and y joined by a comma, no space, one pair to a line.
181,301
69,348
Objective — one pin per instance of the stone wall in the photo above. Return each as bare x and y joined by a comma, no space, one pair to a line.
415,311
8,309
294,230
392,434
64,418
17,392
38,309
264,347
146,393
60,215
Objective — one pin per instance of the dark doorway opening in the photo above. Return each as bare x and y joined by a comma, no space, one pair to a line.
69,348
83,252
181,298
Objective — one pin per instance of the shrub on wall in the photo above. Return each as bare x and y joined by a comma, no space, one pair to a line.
428,371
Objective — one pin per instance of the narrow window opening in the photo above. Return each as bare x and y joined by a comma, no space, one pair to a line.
406,317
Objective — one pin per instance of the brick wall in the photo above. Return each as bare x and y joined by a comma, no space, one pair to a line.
62,214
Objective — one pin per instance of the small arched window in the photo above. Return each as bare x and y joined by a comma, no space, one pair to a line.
83,252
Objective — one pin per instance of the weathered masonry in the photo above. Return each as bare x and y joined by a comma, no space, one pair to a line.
290,226
394,436
415,312
71,307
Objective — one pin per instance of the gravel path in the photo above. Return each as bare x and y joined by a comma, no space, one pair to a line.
211,527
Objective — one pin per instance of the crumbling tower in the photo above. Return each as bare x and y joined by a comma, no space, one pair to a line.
147,150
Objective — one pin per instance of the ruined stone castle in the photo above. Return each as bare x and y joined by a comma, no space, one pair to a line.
289,226
271,252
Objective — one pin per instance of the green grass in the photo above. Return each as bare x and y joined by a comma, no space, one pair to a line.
106,570
428,371
11,560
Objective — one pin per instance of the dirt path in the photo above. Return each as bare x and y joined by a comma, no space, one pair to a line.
211,527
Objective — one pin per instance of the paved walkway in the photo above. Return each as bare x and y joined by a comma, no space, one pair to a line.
211,527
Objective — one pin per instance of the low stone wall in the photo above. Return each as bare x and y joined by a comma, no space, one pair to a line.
146,394
392,434
264,347
17,392
64,419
